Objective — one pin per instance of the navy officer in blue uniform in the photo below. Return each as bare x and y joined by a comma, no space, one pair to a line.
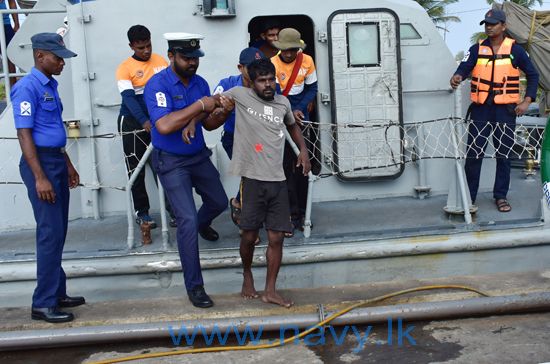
177,98
47,172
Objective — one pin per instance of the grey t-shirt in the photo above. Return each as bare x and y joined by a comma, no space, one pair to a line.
259,139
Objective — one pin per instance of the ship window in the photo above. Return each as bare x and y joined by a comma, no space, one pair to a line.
218,8
408,31
363,44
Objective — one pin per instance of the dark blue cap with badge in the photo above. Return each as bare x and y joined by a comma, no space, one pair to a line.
185,43
51,42
494,16
249,55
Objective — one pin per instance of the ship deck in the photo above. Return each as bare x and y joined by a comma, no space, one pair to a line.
364,220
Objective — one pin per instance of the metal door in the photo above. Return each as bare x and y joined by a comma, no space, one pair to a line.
366,93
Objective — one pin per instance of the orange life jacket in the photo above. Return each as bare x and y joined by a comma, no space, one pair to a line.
495,73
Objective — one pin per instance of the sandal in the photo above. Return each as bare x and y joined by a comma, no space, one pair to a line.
290,234
235,212
503,205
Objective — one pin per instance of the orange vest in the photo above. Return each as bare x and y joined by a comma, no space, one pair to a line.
495,73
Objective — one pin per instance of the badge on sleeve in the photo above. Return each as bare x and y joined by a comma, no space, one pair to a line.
161,99
25,108
466,56
218,90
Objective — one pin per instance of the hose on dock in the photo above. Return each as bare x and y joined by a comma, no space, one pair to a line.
295,337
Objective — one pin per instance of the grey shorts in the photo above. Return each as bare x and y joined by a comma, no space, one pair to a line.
264,203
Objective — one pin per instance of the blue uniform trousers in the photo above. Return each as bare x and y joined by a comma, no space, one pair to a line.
500,121
51,228
179,175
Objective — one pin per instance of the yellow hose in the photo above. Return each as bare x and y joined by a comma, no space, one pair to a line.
295,337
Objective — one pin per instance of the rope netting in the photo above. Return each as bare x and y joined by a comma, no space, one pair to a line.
350,150
385,147
110,160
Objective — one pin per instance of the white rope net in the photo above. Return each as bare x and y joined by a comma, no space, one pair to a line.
347,150
384,148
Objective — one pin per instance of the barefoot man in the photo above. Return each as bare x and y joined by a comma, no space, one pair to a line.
261,116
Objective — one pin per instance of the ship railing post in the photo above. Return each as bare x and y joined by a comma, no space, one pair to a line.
163,220
545,174
130,205
422,190
5,68
309,200
90,112
461,177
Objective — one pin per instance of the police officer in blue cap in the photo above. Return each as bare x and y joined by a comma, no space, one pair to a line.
177,97
47,172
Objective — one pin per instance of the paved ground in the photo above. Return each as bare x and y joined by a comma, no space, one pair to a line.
496,339
178,309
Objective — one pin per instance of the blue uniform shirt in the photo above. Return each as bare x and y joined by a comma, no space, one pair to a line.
500,112
224,85
36,105
165,93
5,17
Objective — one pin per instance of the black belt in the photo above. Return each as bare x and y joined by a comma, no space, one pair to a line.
60,150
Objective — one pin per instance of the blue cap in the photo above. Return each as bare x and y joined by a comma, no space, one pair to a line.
494,16
52,42
249,55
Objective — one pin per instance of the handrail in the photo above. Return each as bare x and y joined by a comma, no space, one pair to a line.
545,155
3,46
545,166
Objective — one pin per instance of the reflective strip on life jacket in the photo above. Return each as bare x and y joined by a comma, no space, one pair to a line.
495,73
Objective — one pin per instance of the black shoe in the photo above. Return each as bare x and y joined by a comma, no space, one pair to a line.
51,314
71,301
209,234
199,298
173,222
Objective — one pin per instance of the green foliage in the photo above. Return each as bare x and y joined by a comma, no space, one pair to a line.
437,12
476,37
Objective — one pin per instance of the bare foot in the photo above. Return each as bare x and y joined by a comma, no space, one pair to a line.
274,297
248,291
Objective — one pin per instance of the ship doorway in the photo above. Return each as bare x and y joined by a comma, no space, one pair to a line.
304,24
301,23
